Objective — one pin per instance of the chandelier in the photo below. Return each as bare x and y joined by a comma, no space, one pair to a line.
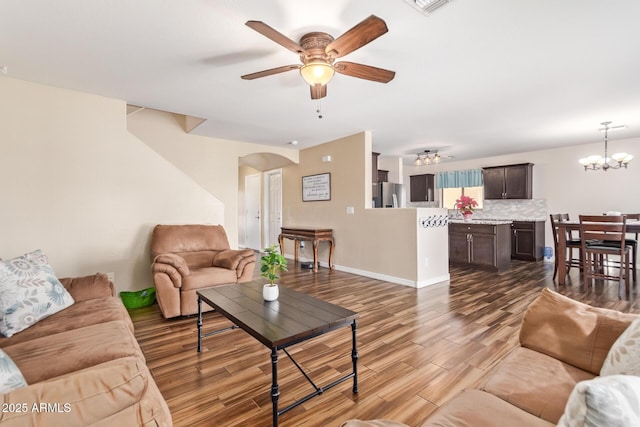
429,158
596,162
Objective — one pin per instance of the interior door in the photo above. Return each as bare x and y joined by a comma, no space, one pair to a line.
252,213
275,206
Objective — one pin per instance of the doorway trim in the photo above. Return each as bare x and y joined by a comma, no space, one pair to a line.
252,199
266,208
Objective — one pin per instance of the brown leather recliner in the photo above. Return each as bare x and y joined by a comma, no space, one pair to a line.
186,258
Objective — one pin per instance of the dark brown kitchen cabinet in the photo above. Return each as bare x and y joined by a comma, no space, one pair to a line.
383,176
508,182
482,246
374,168
527,240
422,188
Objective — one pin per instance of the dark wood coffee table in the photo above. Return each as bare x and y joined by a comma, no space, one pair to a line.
295,317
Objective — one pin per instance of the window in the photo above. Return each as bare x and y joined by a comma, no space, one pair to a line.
449,195
456,183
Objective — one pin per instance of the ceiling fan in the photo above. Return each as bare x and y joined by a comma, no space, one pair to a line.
318,51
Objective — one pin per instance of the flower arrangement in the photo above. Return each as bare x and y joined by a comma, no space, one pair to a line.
466,205
272,263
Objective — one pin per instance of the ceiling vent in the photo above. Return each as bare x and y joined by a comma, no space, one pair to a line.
427,6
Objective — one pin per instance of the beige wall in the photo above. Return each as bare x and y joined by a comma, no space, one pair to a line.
210,162
375,242
79,186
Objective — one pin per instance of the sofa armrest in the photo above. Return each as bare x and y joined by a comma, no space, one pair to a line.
89,287
571,331
172,265
81,398
234,259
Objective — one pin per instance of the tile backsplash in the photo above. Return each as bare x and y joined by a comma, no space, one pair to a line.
529,210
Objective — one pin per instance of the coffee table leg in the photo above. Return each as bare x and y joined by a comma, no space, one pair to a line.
199,324
275,390
354,357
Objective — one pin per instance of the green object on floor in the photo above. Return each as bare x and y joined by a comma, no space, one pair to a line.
137,299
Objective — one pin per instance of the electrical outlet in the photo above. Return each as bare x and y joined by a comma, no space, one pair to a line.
111,276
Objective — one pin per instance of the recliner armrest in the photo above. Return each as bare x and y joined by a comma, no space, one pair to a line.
232,258
88,287
173,265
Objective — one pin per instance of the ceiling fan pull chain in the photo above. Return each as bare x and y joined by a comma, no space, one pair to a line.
319,109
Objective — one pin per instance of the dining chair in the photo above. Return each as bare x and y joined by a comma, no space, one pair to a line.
634,245
632,242
571,242
603,236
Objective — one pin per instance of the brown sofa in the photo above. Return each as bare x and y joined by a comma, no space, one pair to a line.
562,342
83,366
186,258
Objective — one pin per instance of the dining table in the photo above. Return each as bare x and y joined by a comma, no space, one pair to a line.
563,227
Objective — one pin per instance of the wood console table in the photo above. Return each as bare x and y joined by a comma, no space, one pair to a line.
315,235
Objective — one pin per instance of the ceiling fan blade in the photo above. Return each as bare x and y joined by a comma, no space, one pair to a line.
362,71
274,35
266,73
363,33
318,91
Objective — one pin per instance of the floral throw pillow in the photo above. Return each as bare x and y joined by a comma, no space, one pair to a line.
29,292
613,400
624,355
10,376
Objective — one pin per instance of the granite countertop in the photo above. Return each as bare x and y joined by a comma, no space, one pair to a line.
522,219
481,221
497,220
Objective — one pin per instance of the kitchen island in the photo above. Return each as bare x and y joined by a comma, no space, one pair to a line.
483,244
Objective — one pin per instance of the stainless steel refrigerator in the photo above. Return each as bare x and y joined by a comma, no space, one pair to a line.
389,195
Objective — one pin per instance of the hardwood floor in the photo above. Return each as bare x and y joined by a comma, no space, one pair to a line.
418,348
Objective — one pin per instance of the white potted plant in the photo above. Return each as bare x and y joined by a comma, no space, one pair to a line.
271,264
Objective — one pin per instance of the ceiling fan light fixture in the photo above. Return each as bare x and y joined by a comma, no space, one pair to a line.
318,51
317,73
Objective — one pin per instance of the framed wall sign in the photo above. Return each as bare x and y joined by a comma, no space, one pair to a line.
316,187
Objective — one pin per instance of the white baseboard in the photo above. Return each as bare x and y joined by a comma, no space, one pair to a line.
398,280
